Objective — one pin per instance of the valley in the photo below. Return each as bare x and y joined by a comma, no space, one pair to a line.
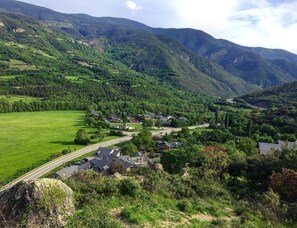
136,126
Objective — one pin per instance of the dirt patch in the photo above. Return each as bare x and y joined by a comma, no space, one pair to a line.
85,64
116,213
203,217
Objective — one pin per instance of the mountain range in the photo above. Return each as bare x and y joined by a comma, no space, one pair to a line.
187,59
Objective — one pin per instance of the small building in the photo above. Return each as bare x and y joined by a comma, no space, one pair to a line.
266,148
126,162
85,166
105,152
161,146
65,172
182,118
102,164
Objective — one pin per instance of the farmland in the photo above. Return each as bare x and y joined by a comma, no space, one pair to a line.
30,138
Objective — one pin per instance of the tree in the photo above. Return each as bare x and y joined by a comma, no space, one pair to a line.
144,141
212,162
174,161
248,146
82,137
272,208
116,167
217,115
147,124
129,149
237,164
227,119
285,184
249,128
125,120
158,123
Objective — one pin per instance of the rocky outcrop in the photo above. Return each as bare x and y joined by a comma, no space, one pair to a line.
159,167
38,203
2,24
19,30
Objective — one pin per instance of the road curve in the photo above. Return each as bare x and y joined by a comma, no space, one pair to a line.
47,167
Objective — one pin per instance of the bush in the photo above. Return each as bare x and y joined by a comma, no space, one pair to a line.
116,133
93,216
184,205
130,187
110,187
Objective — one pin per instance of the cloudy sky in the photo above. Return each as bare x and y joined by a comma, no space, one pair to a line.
266,23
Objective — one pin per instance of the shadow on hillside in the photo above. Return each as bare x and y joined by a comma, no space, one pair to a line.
65,143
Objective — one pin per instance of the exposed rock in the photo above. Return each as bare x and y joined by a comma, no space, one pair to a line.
118,176
186,174
139,178
19,30
158,167
38,203
2,24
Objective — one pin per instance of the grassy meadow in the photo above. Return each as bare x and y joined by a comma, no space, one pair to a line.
29,138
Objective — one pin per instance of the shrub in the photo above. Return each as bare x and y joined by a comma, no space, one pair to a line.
130,187
285,184
93,216
184,205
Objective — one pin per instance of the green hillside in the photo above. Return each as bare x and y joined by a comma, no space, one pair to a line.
168,61
64,73
281,96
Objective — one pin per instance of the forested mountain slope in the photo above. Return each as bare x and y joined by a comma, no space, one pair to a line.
167,60
280,96
254,65
58,72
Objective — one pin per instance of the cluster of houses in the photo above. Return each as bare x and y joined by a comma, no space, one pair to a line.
104,158
266,148
165,119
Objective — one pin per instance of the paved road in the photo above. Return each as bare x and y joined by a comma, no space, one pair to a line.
44,169
231,101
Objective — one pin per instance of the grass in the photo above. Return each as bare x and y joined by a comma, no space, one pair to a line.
76,79
30,138
7,77
17,64
14,98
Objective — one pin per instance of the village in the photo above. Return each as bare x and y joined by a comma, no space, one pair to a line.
109,161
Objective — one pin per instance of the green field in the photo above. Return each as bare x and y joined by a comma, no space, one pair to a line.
14,98
32,137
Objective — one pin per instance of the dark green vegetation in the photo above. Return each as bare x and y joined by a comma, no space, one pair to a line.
260,66
59,73
281,96
216,178
146,50
53,61
164,59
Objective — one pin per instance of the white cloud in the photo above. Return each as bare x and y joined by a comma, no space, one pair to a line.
246,22
133,6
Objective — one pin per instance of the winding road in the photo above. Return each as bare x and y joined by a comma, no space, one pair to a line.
47,167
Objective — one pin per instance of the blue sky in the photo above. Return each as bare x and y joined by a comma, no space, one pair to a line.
266,23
